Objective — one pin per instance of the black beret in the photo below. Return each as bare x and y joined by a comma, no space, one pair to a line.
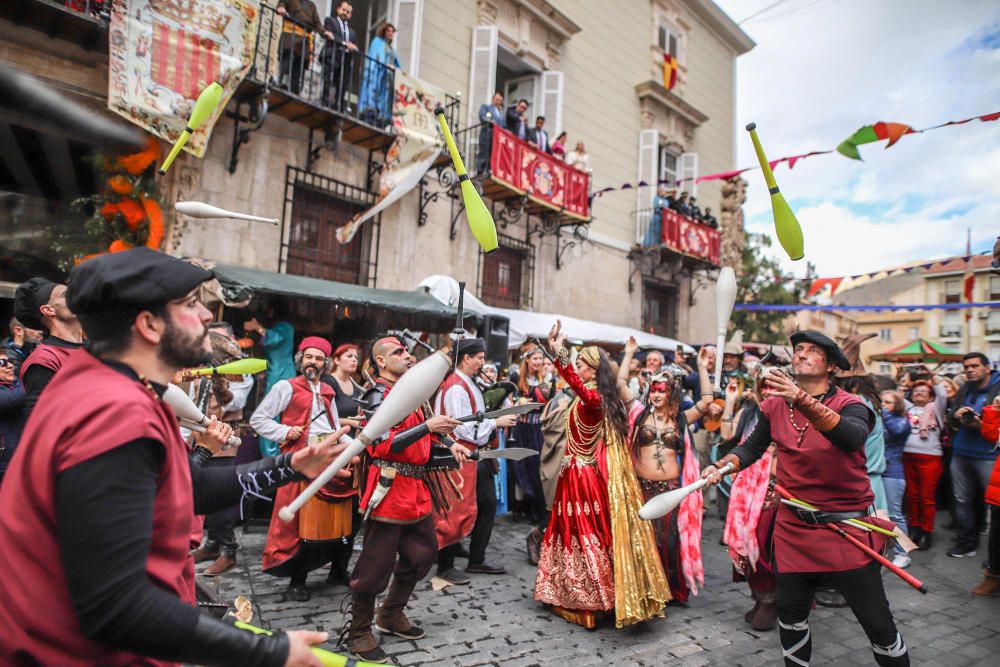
29,297
471,346
140,277
833,352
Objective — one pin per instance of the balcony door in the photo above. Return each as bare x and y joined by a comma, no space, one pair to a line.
313,249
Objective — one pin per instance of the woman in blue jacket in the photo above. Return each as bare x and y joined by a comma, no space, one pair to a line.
897,429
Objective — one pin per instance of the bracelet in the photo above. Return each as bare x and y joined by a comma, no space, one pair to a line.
727,421
563,356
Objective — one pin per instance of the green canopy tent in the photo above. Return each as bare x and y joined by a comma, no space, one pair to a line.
919,351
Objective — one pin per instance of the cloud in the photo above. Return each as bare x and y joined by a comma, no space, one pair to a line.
819,72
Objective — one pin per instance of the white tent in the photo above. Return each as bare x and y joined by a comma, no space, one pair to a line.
525,324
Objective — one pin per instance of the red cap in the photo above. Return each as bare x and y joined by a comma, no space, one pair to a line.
320,344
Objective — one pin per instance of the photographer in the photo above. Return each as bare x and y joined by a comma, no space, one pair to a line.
972,454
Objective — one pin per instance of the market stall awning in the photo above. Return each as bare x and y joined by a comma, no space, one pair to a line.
525,325
415,305
919,351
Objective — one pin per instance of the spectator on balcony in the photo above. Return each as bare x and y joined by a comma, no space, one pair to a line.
489,115
375,103
338,56
578,158
695,213
297,39
538,137
559,146
683,205
654,233
709,219
516,122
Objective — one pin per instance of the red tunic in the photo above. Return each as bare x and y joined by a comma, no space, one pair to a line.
88,410
991,431
49,356
283,537
821,474
408,500
454,525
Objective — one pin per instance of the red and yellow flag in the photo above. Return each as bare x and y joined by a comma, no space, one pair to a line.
670,68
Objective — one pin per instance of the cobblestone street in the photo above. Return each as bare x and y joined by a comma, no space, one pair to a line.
495,621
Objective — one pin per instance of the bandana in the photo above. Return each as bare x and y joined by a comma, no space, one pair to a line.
591,356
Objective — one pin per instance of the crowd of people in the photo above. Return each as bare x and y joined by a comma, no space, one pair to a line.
108,502
515,119
666,198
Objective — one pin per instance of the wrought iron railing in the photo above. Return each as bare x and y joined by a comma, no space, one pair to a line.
678,232
951,331
98,8
310,65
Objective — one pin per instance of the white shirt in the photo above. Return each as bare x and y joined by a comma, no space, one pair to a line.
580,161
264,418
455,404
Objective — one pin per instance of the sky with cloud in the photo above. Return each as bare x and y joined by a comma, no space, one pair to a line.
824,68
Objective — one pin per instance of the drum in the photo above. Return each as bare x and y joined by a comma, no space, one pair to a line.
323,520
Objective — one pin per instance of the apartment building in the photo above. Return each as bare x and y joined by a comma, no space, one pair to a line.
593,69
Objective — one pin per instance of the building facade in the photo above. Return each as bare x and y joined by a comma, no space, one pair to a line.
593,69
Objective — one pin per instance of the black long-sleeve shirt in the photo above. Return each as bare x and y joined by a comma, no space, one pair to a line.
38,377
849,435
104,538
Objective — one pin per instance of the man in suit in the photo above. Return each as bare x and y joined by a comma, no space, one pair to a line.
489,114
538,137
338,56
516,122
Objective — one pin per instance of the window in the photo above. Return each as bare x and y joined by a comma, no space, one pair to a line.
885,368
994,289
659,310
315,206
993,323
668,39
885,335
669,166
952,291
507,272
993,353
952,327
914,333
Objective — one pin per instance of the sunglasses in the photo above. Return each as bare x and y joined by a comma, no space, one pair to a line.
5,362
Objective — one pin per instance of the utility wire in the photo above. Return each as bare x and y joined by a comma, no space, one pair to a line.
758,13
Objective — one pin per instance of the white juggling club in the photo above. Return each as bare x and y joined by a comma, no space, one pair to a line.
197,209
413,388
725,300
185,409
665,503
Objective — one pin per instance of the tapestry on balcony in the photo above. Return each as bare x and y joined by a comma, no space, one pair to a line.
418,144
163,53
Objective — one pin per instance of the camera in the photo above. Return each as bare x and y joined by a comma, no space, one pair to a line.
969,417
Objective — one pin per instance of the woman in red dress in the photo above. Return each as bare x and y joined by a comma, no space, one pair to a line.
597,554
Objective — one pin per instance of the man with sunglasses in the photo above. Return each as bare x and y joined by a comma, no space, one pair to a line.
11,417
400,522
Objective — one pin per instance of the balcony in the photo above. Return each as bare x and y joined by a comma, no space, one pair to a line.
697,242
513,173
82,22
951,331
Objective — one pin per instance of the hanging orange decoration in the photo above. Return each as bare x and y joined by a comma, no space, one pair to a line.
155,215
119,245
139,162
120,185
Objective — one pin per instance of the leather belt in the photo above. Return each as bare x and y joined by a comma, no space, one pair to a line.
816,517
404,469
659,485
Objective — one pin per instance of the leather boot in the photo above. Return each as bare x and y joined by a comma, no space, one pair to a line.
748,617
765,617
360,639
534,546
208,551
221,564
391,618
989,587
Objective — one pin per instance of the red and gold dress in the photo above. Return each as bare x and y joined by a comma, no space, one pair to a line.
597,555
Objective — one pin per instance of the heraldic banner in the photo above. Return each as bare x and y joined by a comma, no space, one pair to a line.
418,144
163,53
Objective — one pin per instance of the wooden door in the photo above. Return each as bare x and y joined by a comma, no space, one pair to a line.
313,249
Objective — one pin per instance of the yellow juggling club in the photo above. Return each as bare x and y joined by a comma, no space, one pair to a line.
480,220
238,367
204,107
326,658
785,225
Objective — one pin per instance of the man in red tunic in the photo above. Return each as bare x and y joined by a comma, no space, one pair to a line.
303,407
399,515
41,304
96,510
460,396
820,433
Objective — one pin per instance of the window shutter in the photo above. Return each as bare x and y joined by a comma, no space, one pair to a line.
408,19
551,102
689,173
483,74
649,147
